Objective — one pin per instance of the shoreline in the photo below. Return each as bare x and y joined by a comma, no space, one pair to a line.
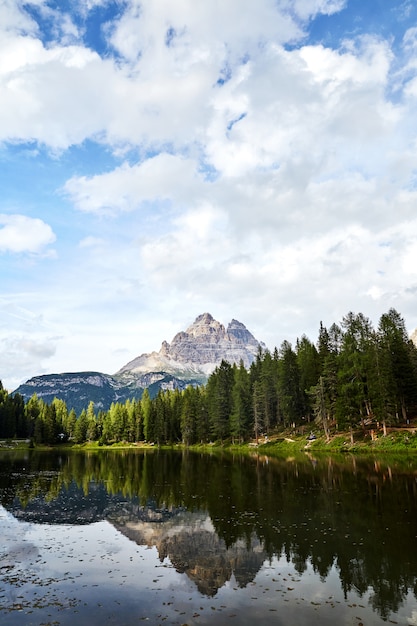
397,440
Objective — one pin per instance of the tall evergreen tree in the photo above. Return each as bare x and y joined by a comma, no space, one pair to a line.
91,432
258,409
189,415
81,426
308,361
241,415
269,390
203,429
397,367
70,425
290,395
161,418
355,370
147,412
320,406
219,395
61,413
8,426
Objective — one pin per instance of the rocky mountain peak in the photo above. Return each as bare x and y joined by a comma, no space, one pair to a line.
205,325
204,318
189,359
199,349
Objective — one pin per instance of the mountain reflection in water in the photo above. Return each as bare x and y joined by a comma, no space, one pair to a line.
219,518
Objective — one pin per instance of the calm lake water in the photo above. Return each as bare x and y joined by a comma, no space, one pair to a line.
181,538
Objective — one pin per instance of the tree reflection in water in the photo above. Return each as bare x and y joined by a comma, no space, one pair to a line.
219,517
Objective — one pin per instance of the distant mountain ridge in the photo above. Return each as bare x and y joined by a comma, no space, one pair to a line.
189,359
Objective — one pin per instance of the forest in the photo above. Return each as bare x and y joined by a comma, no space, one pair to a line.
354,374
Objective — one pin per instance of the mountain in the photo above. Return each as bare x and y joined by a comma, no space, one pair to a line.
78,389
195,353
189,359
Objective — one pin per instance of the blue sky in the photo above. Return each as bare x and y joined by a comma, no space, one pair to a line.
160,159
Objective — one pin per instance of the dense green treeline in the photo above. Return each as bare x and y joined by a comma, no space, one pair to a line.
353,373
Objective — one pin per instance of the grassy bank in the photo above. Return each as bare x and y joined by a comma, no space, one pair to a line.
282,442
395,441
288,442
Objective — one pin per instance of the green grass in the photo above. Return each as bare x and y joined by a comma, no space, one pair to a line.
280,443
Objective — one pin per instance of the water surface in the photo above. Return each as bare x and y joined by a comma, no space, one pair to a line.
182,538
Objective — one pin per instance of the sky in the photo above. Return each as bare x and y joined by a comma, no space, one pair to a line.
253,159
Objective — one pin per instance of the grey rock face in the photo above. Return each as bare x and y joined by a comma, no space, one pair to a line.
189,359
199,349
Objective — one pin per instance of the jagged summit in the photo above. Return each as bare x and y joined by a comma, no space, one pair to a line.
188,360
198,350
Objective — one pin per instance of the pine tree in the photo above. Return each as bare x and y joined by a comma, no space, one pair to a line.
147,412
308,360
80,430
7,415
241,415
203,431
289,390
258,409
49,426
61,413
175,408
219,396
320,406
161,408
189,415
397,367
355,370
269,387
70,425
91,432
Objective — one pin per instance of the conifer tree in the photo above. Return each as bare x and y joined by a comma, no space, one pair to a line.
219,395
91,432
397,367
308,361
7,415
70,425
147,412
189,415
291,402
241,415
80,430
258,409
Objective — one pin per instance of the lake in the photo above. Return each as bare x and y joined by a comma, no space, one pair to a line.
132,537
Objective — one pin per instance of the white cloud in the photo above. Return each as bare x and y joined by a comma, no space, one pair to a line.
309,8
198,243
273,183
92,242
14,19
163,177
198,29
63,94
22,234
26,342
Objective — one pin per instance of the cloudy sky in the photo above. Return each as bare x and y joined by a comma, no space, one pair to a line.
160,159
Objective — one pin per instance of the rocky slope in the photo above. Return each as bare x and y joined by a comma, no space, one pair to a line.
78,389
188,360
198,350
